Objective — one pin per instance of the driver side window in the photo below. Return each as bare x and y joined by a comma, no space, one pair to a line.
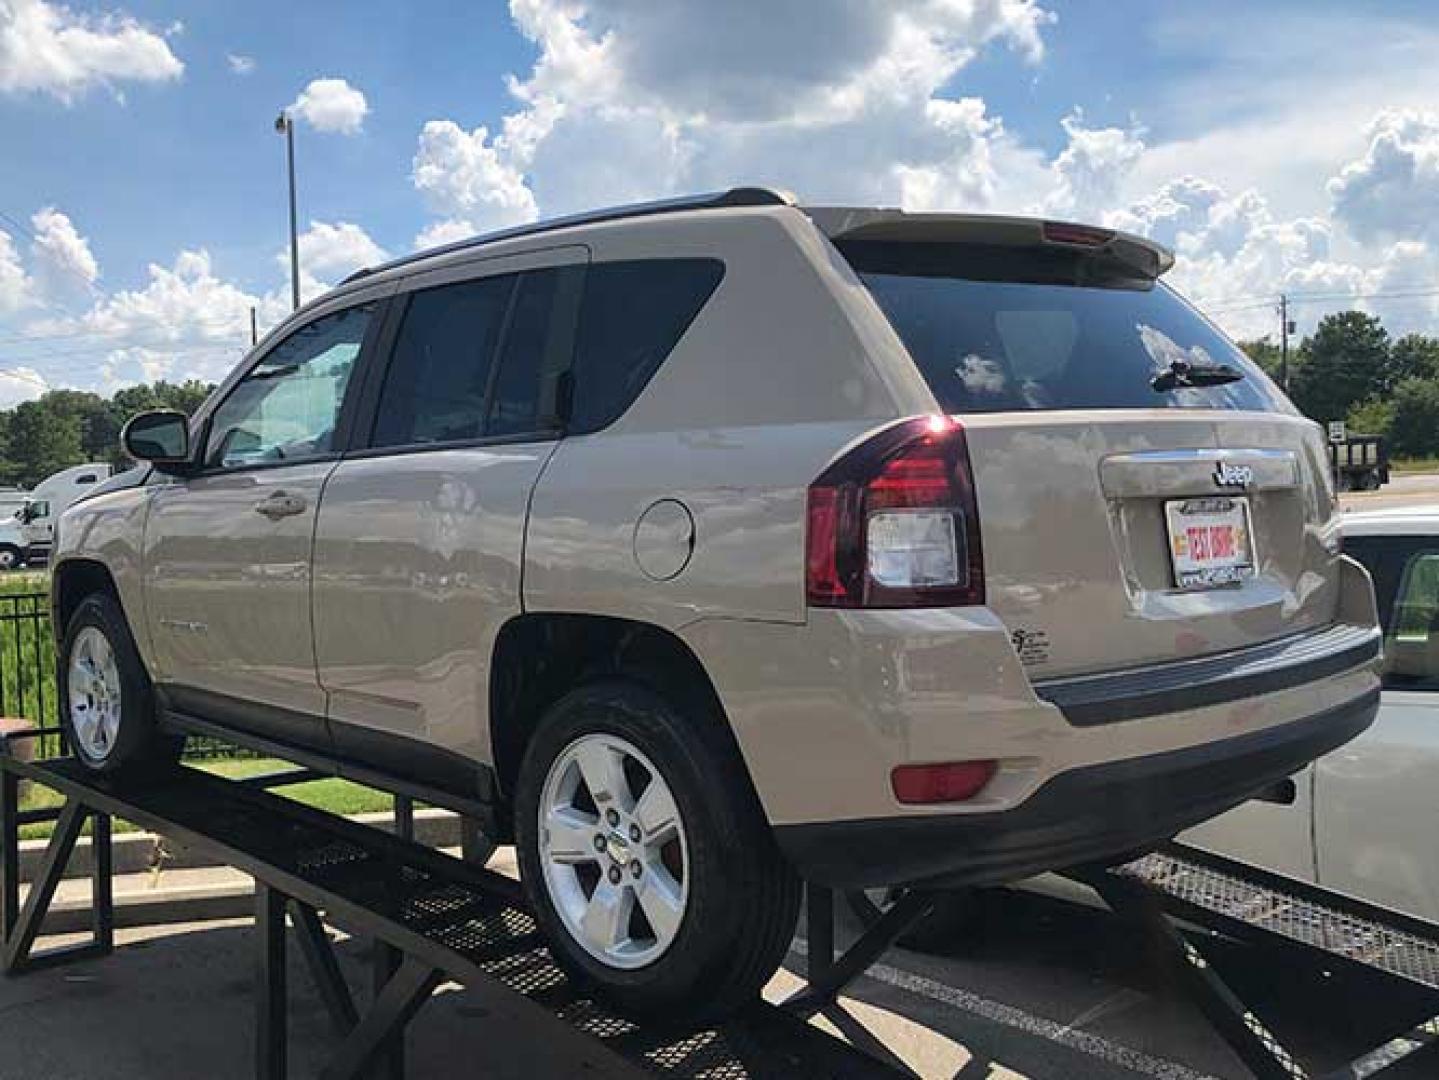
286,407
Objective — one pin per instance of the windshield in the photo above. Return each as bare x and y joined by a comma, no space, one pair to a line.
995,330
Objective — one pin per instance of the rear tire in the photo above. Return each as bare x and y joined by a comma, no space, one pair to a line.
725,901
107,704
10,557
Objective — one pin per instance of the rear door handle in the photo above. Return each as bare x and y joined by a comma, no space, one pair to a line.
281,504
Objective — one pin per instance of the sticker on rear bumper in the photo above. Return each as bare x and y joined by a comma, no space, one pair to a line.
1031,645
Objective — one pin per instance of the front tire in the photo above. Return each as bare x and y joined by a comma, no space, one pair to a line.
646,857
10,557
107,704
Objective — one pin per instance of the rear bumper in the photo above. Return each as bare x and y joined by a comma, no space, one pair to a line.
1083,815
1179,686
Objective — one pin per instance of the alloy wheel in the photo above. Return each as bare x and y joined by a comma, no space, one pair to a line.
94,693
613,850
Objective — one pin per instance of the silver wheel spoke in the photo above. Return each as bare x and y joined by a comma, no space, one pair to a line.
607,918
569,836
603,768
660,900
656,813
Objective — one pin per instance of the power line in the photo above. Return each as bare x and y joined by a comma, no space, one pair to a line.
1236,307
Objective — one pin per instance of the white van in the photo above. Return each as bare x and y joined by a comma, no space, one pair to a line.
12,539
51,497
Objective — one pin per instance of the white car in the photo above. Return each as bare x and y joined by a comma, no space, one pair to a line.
1363,817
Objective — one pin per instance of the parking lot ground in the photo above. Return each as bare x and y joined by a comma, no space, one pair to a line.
1403,489
1039,988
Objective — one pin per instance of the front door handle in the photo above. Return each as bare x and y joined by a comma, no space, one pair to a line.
281,504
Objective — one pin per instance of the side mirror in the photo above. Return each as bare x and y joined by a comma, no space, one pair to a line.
161,438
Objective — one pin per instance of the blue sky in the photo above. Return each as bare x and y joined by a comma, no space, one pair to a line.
1285,146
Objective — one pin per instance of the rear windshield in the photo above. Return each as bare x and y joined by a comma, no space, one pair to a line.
1000,329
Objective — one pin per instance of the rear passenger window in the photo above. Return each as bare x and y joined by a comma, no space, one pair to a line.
439,374
537,348
633,314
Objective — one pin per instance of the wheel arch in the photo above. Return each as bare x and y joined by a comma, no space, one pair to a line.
540,657
72,581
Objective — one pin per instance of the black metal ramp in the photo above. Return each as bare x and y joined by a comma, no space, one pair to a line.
437,914
1244,901
1179,886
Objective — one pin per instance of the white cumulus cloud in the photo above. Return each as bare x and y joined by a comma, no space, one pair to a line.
19,384
332,105
471,178
1392,191
629,100
52,49
63,265
1090,170
15,286
329,252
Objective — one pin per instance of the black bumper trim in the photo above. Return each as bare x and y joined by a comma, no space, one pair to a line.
1088,815
1090,700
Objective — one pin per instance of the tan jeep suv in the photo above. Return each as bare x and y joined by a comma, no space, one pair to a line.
707,545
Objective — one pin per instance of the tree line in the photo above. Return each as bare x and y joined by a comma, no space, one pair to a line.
67,427
1351,369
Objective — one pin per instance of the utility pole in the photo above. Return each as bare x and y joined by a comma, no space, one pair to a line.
285,125
1285,326
254,330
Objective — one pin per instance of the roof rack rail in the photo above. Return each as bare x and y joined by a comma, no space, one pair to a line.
714,200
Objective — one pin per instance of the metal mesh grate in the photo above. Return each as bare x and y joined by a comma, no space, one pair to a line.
1397,952
436,896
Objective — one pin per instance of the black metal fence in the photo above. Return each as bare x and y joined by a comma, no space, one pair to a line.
27,674
27,661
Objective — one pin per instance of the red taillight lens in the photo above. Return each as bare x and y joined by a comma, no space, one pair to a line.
953,781
894,523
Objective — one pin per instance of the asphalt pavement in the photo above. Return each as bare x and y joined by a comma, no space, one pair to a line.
1403,489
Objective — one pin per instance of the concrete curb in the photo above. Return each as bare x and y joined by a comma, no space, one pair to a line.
161,907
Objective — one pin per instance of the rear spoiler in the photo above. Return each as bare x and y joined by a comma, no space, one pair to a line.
1143,257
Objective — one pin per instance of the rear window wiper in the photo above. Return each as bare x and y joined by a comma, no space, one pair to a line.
1182,375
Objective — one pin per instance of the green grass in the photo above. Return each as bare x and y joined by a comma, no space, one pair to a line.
1414,465
332,794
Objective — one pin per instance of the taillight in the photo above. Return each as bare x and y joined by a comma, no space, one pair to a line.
894,522
953,781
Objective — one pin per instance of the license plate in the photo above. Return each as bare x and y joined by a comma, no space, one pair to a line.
1211,542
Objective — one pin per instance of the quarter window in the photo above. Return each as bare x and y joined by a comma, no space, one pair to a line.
287,406
632,316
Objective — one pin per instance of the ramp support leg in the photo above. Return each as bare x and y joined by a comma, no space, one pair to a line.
9,855
829,976
378,1041
1245,1033
271,990
324,968
23,926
